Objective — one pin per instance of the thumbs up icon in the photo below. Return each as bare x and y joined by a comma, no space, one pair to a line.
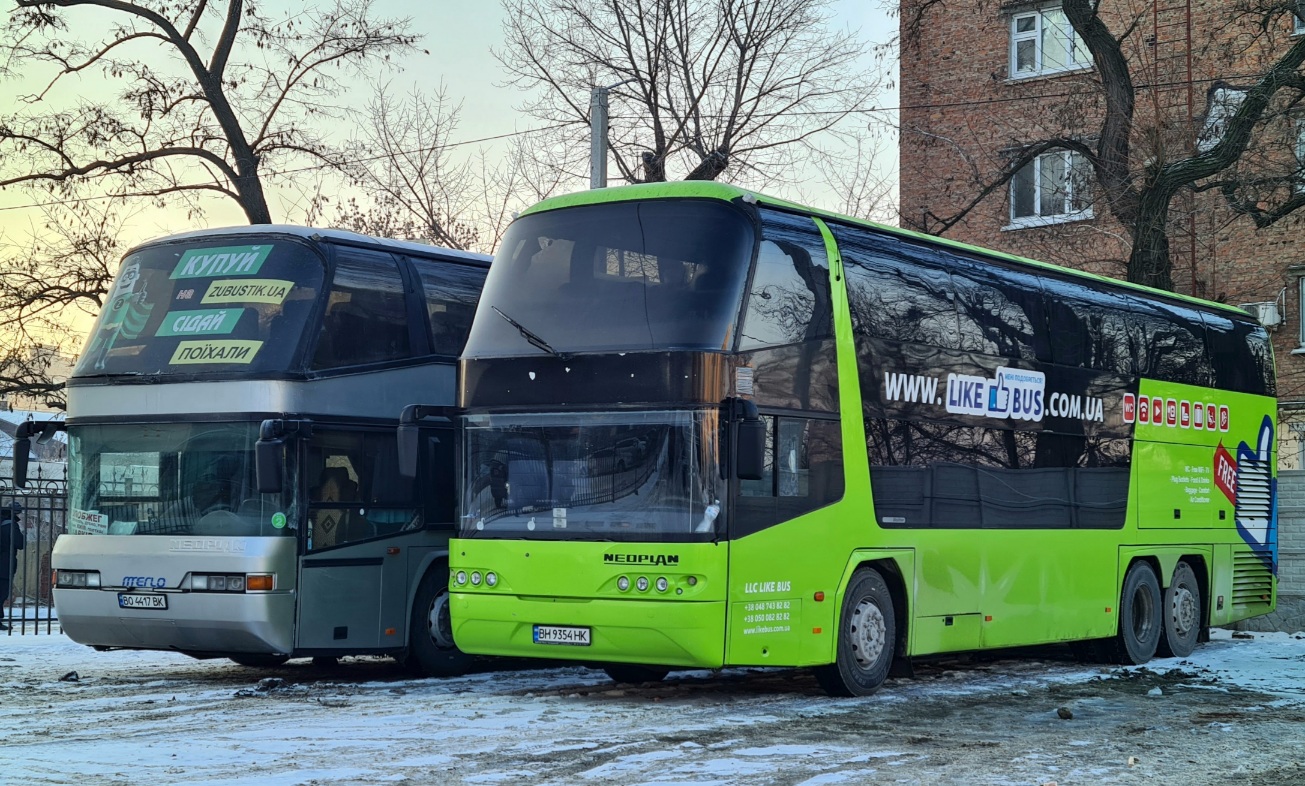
999,397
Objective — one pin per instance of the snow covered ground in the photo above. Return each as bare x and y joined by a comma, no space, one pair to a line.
1234,712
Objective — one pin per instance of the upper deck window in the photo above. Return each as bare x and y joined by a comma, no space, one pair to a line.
366,319
451,295
659,274
221,304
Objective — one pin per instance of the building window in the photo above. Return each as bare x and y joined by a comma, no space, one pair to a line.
1050,189
1300,156
1044,42
1299,21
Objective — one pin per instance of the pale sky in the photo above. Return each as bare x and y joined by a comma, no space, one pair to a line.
459,35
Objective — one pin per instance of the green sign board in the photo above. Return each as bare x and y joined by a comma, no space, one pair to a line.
227,261
210,322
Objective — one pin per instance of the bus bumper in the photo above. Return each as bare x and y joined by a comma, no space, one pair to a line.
647,632
194,623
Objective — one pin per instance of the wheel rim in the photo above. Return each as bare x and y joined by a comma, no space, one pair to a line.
438,623
867,633
1143,615
1182,611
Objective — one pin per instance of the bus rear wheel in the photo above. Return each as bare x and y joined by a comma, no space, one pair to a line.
1182,613
1140,619
258,660
867,636
431,651
630,673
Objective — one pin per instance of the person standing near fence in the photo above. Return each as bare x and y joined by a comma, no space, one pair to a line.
11,542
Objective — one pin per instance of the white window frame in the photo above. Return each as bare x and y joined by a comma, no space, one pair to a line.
1040,219
1300,317
1300,159
1080,59
1298,24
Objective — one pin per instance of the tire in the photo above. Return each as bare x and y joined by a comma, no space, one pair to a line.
629,673
1182,613
1140,618
867,638
255,660
431,651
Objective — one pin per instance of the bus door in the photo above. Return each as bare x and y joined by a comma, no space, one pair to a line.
361,517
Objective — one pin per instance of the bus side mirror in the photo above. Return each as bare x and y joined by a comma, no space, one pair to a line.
750,453
269,460
22,448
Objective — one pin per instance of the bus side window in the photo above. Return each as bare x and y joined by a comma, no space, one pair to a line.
1001,315
790,299
451,292
896,296
366,317
1241,355
803,472
358,493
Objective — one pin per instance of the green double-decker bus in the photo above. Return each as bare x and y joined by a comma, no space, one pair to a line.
708,428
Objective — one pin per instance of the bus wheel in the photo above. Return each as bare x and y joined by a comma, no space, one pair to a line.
630,673
1182,613
1140,624
256,660
867,636
431,651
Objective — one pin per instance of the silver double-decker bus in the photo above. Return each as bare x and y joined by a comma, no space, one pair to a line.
233,483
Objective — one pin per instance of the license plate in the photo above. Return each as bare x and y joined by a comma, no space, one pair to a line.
560,634
128,600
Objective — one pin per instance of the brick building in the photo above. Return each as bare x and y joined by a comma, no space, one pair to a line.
982,81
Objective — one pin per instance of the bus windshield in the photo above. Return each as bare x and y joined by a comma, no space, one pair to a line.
170,479
216,304
637,476
623,276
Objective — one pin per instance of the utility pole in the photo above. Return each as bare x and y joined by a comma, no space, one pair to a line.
598,137
598,133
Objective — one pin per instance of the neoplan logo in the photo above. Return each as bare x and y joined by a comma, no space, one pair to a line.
642,559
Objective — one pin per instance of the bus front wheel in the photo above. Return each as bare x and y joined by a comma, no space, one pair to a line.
1182,613
431,651
1140,618
867,636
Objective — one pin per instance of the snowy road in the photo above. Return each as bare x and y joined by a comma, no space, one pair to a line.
1233,713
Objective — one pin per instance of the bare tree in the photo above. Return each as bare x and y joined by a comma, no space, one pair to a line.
402,159
199,97
52,283
1141,157
701,87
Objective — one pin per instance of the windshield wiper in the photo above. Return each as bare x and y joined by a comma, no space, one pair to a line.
533,339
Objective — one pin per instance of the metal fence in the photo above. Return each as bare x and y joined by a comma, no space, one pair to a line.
29,607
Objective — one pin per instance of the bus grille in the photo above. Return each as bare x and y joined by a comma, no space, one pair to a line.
1254,491
1252,578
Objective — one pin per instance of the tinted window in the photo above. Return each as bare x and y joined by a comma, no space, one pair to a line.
366,319
658,274
451,293
894,296
1241,355
789,299
1088,329
803,472
1168,343
225,304
1000,311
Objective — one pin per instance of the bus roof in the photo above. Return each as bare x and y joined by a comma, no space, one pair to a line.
316,233
705,189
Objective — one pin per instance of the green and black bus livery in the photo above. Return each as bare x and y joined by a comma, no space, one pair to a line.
706,428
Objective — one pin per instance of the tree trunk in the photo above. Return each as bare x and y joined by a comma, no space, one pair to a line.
1149,263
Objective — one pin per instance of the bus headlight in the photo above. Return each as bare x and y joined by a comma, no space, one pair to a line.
662,584
461,577
77,579
475,578
491,579
623,583
642,584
